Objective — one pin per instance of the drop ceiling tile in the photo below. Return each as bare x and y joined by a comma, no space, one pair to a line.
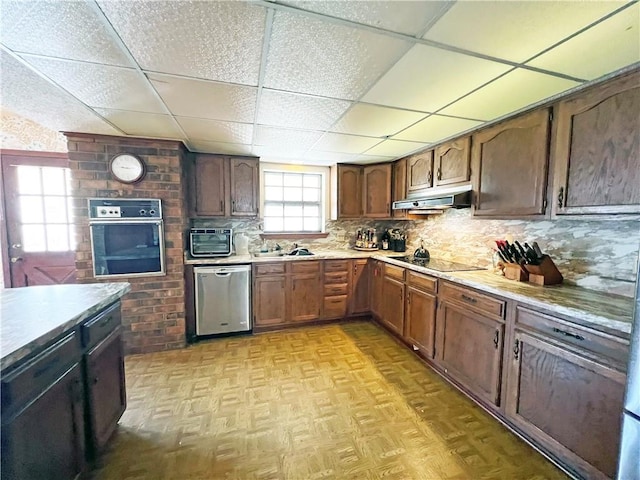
101,86
515,31
286,138
436,128
337,142
70,30
216,131
319,157
512,92
428,78
299,111
203,146
395,148
409,18
143,124
273,153
365,159
214,40
311,56
375,121
28,95
204,99
608,46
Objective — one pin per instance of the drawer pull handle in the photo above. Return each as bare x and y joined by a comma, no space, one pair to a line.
468,298
568,334
516,350
496,339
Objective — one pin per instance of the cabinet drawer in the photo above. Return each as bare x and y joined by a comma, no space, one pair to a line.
100,326
422,282
335,307
336,277
335,289
304,267
269,268
574,335
477,301
394,272
336,265
36,375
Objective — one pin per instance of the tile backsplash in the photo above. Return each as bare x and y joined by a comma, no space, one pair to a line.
596,254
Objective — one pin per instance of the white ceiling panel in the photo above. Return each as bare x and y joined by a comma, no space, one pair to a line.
215,40
318,157
436,128
299,111
373,120
428,78
101,86
216,131
204,99
219,147
610,45
514,91
409,18
284,137
59,29
365,159
142,124
311,56
515,30
25,93
395,148
273,153
337,142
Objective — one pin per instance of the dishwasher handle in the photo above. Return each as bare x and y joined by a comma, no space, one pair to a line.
222,273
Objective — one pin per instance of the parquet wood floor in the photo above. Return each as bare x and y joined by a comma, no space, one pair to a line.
329,402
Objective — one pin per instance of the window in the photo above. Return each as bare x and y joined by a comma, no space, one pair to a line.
293,202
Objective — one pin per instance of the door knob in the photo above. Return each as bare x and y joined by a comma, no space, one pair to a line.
15,259
16,245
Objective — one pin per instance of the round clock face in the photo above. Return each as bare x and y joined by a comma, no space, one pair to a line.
127,168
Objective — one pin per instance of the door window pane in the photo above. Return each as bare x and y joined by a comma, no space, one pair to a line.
29,180
53,181
57,238
33,238
31,209
55,209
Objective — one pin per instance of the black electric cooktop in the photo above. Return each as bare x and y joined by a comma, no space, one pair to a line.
437,264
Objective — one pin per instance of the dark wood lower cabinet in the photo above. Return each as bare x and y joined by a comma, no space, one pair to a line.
305,296
420,322
269,300
393,307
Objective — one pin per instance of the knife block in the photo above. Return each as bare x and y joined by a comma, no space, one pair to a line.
544,274
514,271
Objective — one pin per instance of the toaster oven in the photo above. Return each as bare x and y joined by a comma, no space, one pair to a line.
210,242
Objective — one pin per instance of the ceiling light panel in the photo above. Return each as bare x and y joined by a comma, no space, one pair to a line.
214,40
311,56
59,29
409,18
216,131
287,138
429,78
204,99
101,86
395,148
375,121
608,46
299,111
436,128
30,96
142,124
219,147
336,142
514,91
515,31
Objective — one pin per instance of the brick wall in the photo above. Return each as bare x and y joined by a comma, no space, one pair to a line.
153,312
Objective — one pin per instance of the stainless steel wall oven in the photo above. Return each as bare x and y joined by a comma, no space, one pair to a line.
127,237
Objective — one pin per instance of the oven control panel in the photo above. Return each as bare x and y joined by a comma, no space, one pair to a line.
105,209
108,212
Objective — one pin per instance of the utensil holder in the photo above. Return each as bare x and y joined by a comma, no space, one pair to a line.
544,274
515,271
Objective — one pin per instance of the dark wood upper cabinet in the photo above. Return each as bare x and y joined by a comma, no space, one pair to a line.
452,162
420,171
399,186
509,165
209,175
349,191
376,191
597,150
243,175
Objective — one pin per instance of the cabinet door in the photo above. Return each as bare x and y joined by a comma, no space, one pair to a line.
244,187
349,191
570,404
377,282
359,301
597,151
420,171
377,191
510,162
399,186
305,296
46,439
393,304
469,349
420,320
209,193
269,300
452,162
106,389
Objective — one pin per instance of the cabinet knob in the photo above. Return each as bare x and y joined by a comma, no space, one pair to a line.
561,197
439,175
496,339
516,350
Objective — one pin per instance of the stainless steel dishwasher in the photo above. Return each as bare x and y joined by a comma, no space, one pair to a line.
223,299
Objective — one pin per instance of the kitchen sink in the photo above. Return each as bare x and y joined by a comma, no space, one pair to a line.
278,253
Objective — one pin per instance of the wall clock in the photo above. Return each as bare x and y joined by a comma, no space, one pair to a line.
127,168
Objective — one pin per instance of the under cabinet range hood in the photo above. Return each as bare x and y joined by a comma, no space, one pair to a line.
437,200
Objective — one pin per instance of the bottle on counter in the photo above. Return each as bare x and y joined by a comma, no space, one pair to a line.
359,241
385,240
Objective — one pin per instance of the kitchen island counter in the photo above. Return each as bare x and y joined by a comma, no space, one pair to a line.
30,317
